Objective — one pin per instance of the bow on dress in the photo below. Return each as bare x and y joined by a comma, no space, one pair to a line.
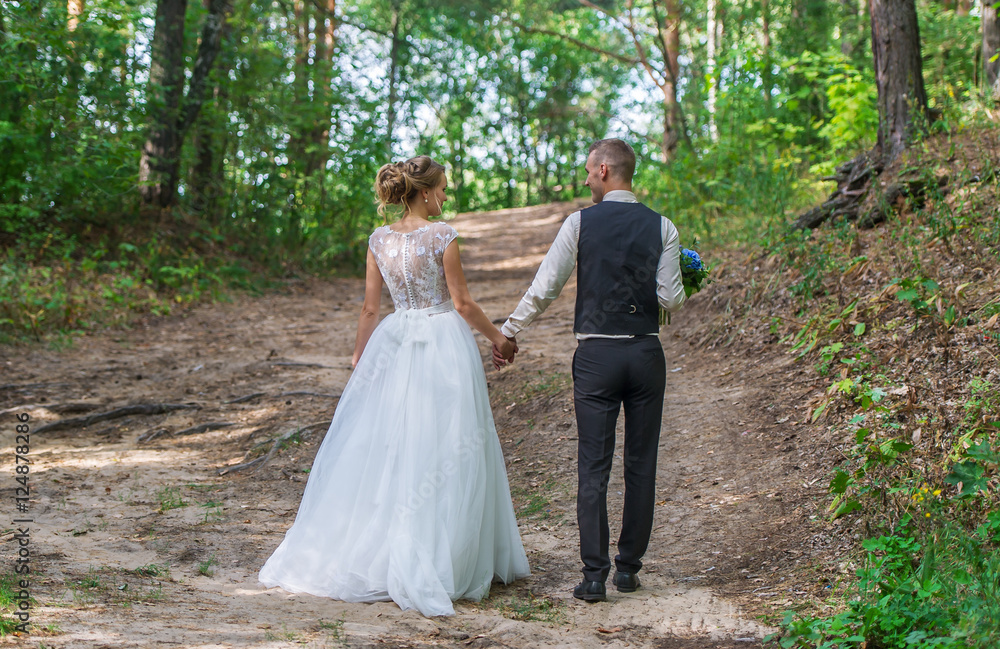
416,326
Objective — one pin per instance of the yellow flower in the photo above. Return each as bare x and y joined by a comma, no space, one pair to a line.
937,492
928,514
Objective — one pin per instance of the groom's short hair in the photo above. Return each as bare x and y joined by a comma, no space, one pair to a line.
617,155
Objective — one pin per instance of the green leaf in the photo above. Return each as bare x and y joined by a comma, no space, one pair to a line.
982,451
907,295
839,483
970,475
846,508
859,329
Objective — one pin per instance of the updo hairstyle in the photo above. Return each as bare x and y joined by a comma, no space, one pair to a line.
398,183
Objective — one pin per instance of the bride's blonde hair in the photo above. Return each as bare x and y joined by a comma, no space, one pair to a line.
398,183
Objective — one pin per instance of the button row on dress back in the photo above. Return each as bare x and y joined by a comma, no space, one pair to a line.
406,270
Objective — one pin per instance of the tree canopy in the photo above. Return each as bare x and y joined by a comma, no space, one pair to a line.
262,123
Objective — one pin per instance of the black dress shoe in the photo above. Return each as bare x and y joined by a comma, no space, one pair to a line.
590,591
626,582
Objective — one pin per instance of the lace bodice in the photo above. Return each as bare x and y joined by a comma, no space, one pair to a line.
412,263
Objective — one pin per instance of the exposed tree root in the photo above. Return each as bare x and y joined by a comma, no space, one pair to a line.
275,443
124,411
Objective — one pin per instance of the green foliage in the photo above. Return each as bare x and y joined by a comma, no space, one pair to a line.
9,590
850,121
934,586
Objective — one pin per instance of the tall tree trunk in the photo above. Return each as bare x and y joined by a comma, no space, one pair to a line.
523,129
963,8
325,46
308,145
300,84
991,51
542,164
159,164
670,33
157,181
711,30
767,77
207,177
394,52
902,101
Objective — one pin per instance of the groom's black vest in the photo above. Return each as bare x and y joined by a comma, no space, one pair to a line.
619,250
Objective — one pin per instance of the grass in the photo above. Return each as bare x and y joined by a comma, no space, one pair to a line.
9,589
153,570
284,634
56,300
213,511
170,498
534,502
118,585
546,384
205,567
336,630
526,608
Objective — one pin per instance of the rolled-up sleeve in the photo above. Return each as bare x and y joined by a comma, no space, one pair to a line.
669,284
552,275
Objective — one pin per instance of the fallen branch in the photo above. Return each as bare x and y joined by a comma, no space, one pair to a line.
125,411
297,393
275,443
248,397
25,386
296,364
200,428
301,393
54,407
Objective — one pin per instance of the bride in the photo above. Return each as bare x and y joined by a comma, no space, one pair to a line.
408,497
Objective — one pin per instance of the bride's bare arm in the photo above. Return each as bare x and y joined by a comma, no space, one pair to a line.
369,310
466,306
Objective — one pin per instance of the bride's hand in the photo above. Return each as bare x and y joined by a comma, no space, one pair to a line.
498,359
504,354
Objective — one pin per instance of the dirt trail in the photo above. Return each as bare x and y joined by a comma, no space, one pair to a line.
143,543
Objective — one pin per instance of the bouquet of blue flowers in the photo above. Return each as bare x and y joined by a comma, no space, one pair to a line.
694,273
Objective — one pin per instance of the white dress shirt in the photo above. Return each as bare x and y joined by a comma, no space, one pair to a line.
560,261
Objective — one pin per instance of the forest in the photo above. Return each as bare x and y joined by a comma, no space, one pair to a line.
836,162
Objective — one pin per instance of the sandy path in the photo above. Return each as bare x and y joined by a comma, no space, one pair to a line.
116,565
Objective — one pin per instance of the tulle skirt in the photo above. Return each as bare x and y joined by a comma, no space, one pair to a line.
408,496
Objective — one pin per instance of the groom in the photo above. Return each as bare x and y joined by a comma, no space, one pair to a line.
627,261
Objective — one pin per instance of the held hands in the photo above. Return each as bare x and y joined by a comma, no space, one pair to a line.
504,354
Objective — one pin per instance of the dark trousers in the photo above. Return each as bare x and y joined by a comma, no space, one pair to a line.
606,374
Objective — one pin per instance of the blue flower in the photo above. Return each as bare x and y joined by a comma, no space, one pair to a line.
691,259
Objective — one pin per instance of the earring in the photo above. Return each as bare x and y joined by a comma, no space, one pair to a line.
425,200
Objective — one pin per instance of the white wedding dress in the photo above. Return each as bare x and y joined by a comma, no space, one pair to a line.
408,496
